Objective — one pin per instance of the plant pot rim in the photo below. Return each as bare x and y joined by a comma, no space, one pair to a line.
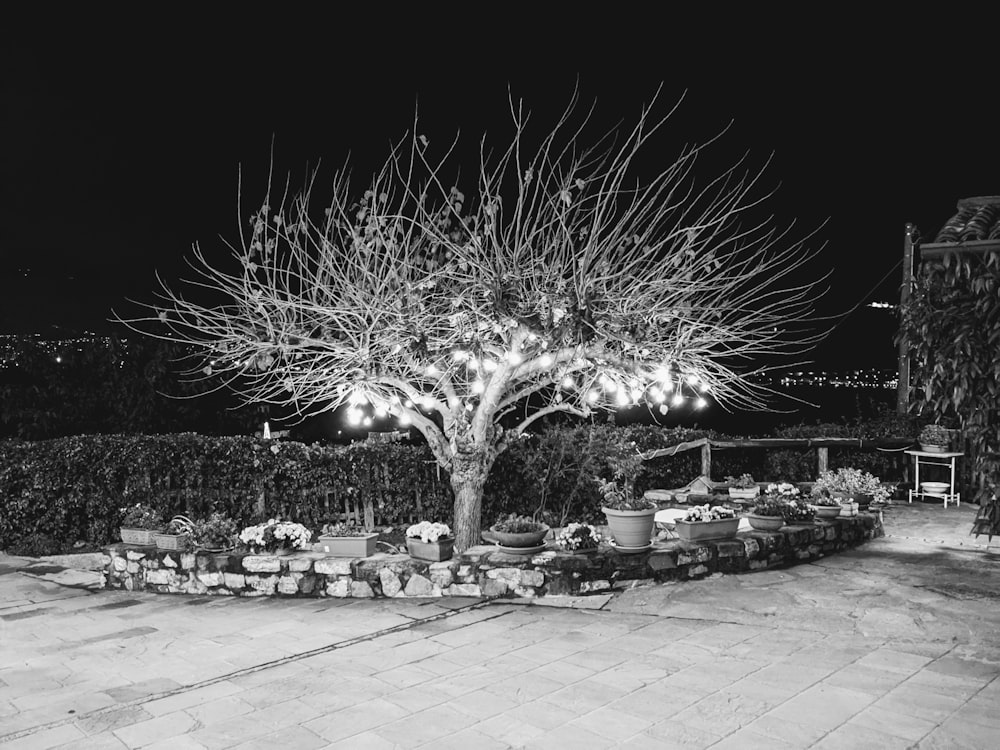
353,536
650,511
439,540
544,527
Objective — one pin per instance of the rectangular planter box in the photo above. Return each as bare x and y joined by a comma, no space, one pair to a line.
430,551
136,536
170,541
347,546
700,531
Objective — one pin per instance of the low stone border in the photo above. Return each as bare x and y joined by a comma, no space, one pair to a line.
480,571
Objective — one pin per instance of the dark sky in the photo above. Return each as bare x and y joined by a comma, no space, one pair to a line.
121,144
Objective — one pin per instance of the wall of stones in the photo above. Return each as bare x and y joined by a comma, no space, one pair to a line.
481,571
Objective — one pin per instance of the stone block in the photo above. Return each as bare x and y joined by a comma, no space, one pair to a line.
209,578
188,561
132,567
463,589
525,593
731,548
288,584
261,564
340,588
466,573
133,555
194,586
332,566
300,564
493,587
264,584
163,576
130,584
587,587
831,533
234,580
361,590
440,574
120,563
307,584
391,585
201,561
697,570
169,561
418,585
516,576
559,586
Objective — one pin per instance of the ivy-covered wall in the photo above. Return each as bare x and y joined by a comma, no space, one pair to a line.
952,328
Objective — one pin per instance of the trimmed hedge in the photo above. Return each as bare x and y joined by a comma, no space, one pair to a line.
74,488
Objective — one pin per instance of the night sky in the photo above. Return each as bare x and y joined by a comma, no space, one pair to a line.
121,149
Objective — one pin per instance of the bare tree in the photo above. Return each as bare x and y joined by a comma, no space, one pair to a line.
560,282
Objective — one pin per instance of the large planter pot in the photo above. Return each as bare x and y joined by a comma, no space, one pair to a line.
827,511
863,501
170,541
933,448
437,551
700,531
519,539
744,493
347,546
765,523
630,528
137,536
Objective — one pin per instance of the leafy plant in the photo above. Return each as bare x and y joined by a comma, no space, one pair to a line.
797,511
742,482
824,500
141,516
343,529
769,506
708,513
515,524
216,532
617,497
935,434
848,481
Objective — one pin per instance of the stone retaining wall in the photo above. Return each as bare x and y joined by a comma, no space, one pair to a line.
480,571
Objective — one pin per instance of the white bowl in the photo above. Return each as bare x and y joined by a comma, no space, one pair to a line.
935,488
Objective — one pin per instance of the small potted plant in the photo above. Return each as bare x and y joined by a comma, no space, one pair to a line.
851,485
346,540
578,537
743,487
139,523
429,541
176,535
217,533
705,522
276,536
934,438
827,507
630,518
799,512
519,533
768,512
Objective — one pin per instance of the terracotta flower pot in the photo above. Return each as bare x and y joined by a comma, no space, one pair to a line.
630,528
765,523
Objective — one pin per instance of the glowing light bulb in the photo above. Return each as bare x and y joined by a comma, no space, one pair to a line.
546,360
432,370
514,357
428,402
610,386
478,386
700,403
408,404
469,407
663,409
622,398
568,382
404,420
368,422
459,355
381,411
354,416
677,400
474,364
592,396
489,365
692,379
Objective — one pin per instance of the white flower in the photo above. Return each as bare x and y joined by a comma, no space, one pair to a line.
428,532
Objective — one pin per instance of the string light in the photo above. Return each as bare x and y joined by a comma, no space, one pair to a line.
404,420
700,403
592,396
368,422
514,357
637,394
622,398
546,360
568,382
478,386
489,365
678,399
432,370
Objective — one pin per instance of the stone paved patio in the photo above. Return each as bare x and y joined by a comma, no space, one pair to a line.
891,645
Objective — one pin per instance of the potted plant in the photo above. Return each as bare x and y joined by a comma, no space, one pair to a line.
217,533
934,438
176,535
768,513
630,518
743,487
346,540
139,523
799,512
826,507
704,522
276,536
519,533
430,541
578,537
851,485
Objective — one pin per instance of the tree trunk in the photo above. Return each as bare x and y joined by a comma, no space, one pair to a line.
468,477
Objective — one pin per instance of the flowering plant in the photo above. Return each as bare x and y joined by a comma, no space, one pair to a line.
706,513
769,505
141,516
276,534
782,490
217,532
849,481
578,536
343,529
515,524
426,531
742,482
824,500
798,511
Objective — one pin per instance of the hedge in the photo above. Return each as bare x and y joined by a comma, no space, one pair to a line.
74,488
